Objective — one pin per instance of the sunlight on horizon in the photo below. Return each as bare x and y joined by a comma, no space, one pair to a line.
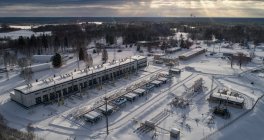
170,8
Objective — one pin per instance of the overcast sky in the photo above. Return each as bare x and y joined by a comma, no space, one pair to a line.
132,8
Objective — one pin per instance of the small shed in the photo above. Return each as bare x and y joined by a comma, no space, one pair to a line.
150,124
120,101
131,97
150,87
158,61
163,80
110,109
140,91
156,83
175,71
175,133
92,117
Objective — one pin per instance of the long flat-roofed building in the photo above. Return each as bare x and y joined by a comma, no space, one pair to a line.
192,53
228,99
65,85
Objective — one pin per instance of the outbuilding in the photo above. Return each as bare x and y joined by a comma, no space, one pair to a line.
175,71
156,83
175,133
120,101
110,109
163,80
140,91
92,117
149,87
228,99
131,97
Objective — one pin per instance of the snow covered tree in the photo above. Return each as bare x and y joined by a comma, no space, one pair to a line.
104,55
57,60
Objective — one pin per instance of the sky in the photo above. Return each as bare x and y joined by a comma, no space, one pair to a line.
131,8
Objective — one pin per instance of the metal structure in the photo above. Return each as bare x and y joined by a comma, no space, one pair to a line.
117,94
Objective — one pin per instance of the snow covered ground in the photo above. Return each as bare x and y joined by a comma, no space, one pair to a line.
23,32
57,122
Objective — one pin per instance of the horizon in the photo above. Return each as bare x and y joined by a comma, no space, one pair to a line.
131,8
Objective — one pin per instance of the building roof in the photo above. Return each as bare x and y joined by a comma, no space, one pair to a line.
109,107
173,49
163,79
227,97
139,90
192,52
119,101
130,95
92,115
175,131
41,84
156,82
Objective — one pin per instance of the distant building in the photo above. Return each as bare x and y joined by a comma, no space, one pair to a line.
227,99
68,84
172,50
192,53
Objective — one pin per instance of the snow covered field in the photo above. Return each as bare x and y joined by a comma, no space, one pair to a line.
195,121
23,32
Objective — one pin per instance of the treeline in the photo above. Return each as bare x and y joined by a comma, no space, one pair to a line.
75,36
234,33
6,28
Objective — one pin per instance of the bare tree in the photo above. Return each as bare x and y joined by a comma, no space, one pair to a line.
104,55
6,58
242,58
25,68
88,60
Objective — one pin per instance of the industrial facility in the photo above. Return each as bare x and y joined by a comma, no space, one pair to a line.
192,53
65,85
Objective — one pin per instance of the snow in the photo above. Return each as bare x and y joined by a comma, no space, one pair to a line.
20,26
40,67
248,127
24,33
42,58
55,121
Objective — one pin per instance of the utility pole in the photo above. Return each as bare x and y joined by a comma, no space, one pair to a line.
106,116
212,85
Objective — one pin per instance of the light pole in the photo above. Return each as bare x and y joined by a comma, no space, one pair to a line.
106,115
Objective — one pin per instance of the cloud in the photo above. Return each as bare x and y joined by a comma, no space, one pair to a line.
168,8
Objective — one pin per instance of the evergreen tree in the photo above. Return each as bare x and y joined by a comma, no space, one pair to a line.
44,41
138,48
56,43
57,60
81,54
110,39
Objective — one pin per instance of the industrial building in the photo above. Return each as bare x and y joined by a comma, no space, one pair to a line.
192,53
68,84
172,50
227,99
